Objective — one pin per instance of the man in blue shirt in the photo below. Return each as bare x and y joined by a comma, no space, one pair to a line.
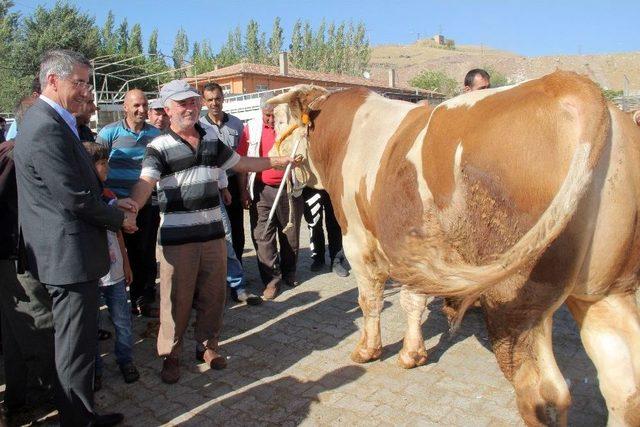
127,140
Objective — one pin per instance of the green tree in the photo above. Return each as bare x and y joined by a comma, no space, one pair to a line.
497,78
202,57
195,52
63,26
263,50
344,49
180,49
611,93
328,60
108,42
239,48
135,40
252,43
153,43
275,41
340,50
228,55
11,81
435,80
308,55
122,37
8,29
296,44
319,47
361,49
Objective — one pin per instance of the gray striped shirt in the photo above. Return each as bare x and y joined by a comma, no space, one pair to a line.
187,186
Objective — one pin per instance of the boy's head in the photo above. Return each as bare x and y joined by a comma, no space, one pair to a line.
100,156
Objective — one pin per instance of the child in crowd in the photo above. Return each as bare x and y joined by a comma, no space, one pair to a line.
113,285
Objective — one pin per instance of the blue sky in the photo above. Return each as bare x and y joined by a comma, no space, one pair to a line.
527,27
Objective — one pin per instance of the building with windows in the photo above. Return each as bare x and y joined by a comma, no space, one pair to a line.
245,78
244,83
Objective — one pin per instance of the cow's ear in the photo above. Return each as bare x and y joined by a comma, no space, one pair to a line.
300,99
309,97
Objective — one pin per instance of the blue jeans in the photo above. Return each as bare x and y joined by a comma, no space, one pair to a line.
235,274
116,299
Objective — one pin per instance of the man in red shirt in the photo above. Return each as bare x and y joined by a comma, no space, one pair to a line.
275,266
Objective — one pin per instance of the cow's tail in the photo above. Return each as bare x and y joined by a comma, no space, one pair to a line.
427,266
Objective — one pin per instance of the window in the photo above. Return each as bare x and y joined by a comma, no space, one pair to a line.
262,87
226,89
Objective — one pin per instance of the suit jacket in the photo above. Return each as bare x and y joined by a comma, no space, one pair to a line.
63,219
8,202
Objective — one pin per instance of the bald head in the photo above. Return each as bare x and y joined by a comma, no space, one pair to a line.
135,109
134,94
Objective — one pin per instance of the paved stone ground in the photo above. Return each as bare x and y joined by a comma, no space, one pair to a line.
289,364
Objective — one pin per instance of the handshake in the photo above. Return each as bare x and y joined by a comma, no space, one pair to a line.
130,208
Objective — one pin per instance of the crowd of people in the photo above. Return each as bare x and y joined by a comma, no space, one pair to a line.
88,218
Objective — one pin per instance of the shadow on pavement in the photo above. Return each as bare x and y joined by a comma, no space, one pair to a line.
260,343
588,407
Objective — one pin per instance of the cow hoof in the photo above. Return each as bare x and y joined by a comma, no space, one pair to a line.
364,355
411,359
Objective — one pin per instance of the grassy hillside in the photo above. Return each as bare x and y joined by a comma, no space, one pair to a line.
409,60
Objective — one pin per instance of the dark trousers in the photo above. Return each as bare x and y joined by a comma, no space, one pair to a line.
75,324
316,206
272,264
141,250
27,337
236,217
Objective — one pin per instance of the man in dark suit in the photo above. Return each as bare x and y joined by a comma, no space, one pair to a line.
63,222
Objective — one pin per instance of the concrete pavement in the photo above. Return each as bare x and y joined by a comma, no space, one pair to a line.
288,364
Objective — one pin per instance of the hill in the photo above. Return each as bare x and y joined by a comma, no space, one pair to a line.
409,60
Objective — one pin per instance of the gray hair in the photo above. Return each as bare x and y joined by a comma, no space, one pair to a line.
60,62
263,101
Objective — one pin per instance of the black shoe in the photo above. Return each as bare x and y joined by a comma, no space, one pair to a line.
170,373
14,410
246,297
107,420
129,373
317,264
292,283
338,268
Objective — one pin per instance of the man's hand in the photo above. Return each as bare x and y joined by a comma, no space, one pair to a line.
245,199
282,161
128,204
226,196
129,223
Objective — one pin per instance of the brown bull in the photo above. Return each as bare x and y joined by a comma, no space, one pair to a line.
526,196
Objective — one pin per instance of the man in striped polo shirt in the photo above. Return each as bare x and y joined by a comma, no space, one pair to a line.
185,165
127,140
